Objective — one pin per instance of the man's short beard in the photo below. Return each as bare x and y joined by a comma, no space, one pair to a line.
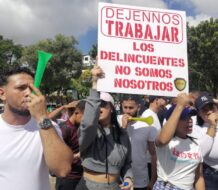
19,112
135,115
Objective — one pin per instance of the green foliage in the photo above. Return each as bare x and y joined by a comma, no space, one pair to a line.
83,84
65,63
93,52
9,53
203,57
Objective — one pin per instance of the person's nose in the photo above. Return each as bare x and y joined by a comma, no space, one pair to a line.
128,111
28,91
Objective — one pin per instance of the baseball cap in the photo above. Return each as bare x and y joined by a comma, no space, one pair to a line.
106,97
186,113
203,100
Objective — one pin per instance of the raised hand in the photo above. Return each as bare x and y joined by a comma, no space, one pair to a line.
71,104
213,118
97,73
37,104
125,120
183,99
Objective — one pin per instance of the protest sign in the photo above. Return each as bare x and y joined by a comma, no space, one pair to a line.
142,50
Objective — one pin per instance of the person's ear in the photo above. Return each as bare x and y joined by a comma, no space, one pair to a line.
2,94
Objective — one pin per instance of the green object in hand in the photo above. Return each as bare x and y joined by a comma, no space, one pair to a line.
149,120
43,58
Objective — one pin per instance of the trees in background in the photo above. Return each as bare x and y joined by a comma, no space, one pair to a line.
64,70
83,83
203,56
9,53
93,52
65,64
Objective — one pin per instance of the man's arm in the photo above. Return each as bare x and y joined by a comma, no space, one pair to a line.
57,154
56,112
152,151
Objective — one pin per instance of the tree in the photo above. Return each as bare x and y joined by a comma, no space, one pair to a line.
203,57
83,84
65,64
9,53
93,52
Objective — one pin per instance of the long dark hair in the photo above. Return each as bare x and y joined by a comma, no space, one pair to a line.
114,122
116,129
200,121
116,132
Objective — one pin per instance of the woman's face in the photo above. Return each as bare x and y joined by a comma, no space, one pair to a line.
206,111
184,127
105,112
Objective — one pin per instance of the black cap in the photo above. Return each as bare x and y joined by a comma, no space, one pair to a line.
203,100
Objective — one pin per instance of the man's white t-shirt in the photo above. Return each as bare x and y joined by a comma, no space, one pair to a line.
22,165
177,162
156,122
139,137
140,134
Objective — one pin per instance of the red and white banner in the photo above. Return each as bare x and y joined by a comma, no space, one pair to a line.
142,50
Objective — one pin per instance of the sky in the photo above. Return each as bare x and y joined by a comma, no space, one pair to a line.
28,21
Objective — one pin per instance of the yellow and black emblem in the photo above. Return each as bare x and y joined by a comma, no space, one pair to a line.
180,84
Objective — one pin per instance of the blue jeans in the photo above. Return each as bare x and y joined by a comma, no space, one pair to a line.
161,185
210,178
86,184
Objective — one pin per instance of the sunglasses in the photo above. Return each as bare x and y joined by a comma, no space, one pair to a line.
103,104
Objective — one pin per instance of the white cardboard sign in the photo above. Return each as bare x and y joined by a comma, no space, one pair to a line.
142,50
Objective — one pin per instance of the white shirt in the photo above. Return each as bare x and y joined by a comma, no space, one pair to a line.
22,165
156,121
177,162
209,145
156,124
140,133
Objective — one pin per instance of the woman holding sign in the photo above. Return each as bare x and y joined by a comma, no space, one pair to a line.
104,147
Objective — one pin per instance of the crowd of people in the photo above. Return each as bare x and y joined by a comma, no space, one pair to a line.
86,145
